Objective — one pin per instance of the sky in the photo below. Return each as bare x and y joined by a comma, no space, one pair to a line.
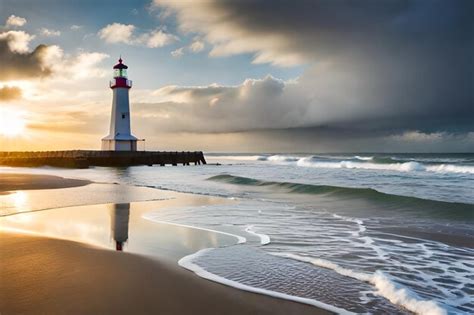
241,76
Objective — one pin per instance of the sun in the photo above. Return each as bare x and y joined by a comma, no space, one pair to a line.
12,123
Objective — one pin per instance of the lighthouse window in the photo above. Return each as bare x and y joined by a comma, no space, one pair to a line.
120,73
123,116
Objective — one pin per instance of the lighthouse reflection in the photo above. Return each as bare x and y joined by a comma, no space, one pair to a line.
120,215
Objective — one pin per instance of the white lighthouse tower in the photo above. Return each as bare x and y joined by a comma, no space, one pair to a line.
120,137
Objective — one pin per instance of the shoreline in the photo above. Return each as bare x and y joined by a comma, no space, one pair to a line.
49,274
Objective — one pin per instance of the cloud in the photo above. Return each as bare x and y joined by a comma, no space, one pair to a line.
178,52
14,20
81,66
117,33
49,33
17,41
75,27
8,93
417,136
314,100
156,39
196,46
122,33
310,31
252,105
384,68
18,62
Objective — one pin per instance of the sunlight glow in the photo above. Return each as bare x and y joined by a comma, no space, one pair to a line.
12,123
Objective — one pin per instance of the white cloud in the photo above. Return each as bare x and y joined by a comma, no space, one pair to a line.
45,61
49,33
18,41
222,29
267,103
14,20
117,33
122,33
196,46
76,27
177,53
86,65
157,38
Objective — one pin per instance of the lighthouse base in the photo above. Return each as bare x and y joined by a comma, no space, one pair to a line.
119,145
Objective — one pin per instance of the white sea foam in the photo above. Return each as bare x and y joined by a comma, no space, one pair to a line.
365,162
282,158
385,287
449,168
401,167
364,158
187,262
359,222
264,239
151,217
238,157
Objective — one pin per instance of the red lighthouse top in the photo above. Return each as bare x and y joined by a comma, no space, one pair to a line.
120,65
120,76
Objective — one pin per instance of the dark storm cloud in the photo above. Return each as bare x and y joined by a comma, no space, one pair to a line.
376,66
8,93
22,65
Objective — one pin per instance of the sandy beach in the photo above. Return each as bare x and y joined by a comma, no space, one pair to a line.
51,275
10,182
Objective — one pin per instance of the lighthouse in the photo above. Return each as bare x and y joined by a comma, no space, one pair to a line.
120,137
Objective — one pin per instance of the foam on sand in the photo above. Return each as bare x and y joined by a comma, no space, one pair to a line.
385,287
240,239
187,262
264,239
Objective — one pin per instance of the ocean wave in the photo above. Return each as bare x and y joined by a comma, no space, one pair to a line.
382,163
344,192
385,287
238,157
378,165
402,167
188,263
364,158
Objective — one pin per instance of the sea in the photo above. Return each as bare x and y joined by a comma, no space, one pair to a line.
353,233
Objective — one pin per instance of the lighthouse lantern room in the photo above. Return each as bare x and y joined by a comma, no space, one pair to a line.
120,137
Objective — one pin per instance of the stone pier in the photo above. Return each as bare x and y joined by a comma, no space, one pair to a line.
86,158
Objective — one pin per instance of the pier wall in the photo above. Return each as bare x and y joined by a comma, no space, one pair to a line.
86,158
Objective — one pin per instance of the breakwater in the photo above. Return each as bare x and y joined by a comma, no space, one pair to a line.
86,158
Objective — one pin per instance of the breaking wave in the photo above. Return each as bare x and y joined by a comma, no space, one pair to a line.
385,165
360,162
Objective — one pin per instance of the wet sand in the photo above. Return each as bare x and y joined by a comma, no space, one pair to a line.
9,182
42,274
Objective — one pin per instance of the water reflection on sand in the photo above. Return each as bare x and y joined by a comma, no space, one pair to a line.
117,226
